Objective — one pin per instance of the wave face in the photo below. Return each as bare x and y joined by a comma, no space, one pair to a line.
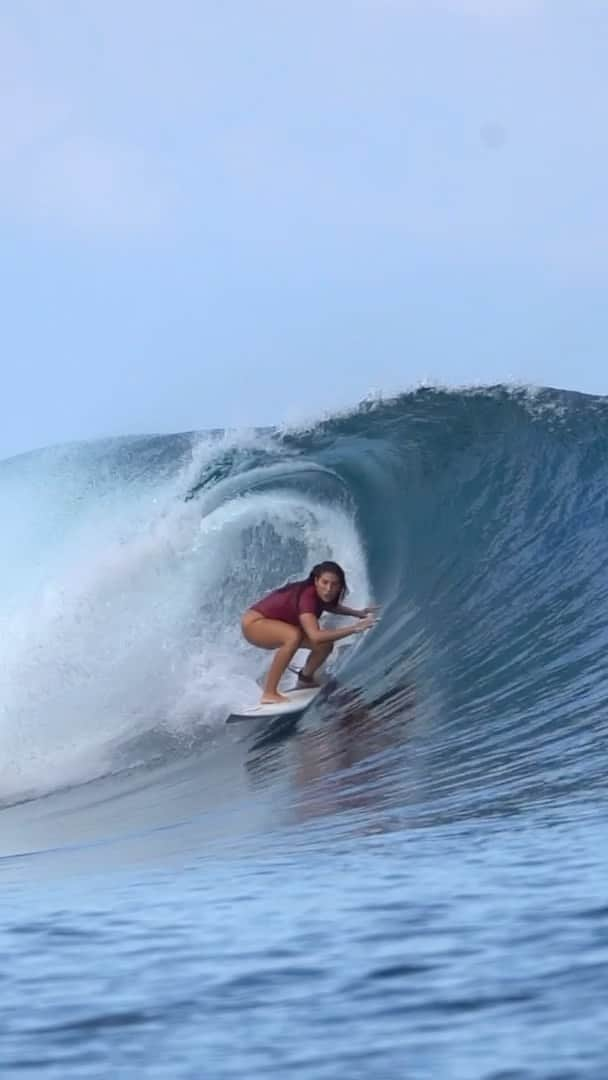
410,879
478,520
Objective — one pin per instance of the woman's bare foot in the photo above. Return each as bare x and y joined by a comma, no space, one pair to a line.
273,699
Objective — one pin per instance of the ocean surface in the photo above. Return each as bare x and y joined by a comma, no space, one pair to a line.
408,881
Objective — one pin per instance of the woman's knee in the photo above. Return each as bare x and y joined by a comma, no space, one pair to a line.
323,647
293,638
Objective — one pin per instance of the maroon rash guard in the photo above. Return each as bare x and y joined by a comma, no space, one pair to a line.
289,603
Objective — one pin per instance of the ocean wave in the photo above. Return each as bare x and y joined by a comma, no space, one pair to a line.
476,517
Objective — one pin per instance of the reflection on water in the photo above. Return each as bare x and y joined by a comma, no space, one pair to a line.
343,754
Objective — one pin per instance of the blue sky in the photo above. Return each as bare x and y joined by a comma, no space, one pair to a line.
240,212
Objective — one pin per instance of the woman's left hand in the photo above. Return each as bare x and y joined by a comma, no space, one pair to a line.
373,609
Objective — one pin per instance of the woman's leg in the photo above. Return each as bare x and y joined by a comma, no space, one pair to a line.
272,634
318,656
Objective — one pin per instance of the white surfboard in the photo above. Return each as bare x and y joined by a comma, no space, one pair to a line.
298,700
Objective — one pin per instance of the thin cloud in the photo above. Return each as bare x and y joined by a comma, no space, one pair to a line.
88,183
492,9
55,167
482,9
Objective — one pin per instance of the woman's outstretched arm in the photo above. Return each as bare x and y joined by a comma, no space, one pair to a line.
316,636
357,613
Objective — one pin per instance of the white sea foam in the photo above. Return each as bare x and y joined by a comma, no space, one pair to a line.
134,625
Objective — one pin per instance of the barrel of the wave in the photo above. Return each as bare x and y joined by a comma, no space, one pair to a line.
286,620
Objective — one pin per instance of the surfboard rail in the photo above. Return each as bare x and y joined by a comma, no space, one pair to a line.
299,700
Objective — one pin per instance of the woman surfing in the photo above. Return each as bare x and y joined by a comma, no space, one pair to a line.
287,619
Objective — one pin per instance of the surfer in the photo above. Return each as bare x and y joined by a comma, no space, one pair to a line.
287,619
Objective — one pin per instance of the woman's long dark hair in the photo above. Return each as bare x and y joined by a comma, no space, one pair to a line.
327,567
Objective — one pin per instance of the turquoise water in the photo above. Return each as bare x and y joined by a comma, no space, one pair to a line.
411,879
